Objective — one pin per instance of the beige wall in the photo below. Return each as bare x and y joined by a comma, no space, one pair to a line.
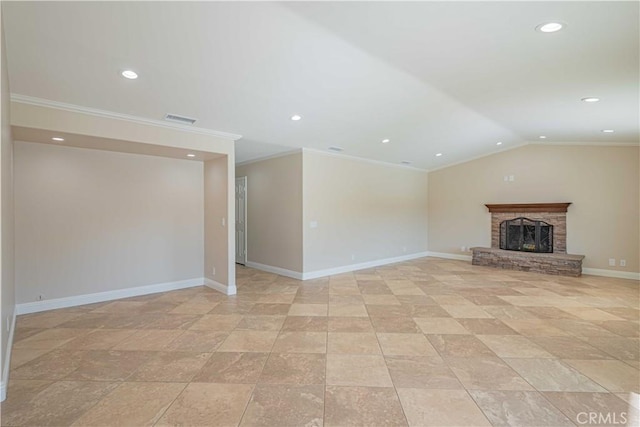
7,290
274,211
601,182
91,221
216,222
364,211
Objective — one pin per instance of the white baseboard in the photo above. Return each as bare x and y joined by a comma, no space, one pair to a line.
450,256
332,271
7,360
52,304
227,290
275,270
611,273
360,266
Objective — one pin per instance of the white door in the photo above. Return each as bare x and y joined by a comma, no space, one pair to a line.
241,220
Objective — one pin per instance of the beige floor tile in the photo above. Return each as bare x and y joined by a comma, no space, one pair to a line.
353,343
441,326
614,375
20,356
139,404
257,341
486,373
109,365
308,310
51,338
285,405
570,348
261,323
455,408
197,341
269,309
514,346
53,365
305,324
394,344
486,327
394,324
239,368
421,372
534,328
357,370
552,375
619,347
202,404
61,403
349,324
373,299
578,407
467,311
217,322
460,346
292,368
623,328
175,366
590,313
346,299
301,342
347,310
277,298
519,408
99,339
387,311
148,340
362,406
47,319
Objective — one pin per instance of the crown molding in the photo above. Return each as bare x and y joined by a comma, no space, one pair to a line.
40,102
363,160
270,156
588,144
470,159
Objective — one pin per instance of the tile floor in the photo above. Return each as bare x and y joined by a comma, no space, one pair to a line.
421,343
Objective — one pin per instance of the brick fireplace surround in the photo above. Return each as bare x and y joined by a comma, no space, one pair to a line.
558,262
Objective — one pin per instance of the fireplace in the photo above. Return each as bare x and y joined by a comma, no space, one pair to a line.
521,243
526,235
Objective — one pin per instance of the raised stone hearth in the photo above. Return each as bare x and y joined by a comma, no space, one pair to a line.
558,262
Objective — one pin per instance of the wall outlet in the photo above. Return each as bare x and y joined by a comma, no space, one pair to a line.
463,248
224,222
213,271
623,263
512,178
313,224
40,297
612,262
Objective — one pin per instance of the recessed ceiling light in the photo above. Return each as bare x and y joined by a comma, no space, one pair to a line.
608,130
296,117
57,138
385,141
439,154
590,99
550,27
191,155
542,137
129,74
498,143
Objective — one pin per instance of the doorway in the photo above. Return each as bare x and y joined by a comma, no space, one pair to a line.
241,220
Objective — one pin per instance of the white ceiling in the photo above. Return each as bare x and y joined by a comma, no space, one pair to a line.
449,77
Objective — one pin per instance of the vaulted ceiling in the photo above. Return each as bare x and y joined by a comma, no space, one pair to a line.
453,78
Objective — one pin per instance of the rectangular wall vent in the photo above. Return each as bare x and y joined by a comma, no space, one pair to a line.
179,119
337,149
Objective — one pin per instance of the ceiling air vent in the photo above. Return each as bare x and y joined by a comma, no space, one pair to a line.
405,162
179,119
336,149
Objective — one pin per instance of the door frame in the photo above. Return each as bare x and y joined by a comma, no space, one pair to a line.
245,182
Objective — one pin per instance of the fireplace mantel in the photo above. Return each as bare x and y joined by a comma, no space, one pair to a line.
528,207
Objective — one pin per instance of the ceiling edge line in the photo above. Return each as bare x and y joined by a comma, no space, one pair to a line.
364,160
269,157
40,102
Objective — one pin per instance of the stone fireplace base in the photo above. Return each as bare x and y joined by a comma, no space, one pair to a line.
558,264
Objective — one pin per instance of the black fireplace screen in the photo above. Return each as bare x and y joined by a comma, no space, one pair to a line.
527,235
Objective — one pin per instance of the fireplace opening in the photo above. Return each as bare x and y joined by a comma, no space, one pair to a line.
526,235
